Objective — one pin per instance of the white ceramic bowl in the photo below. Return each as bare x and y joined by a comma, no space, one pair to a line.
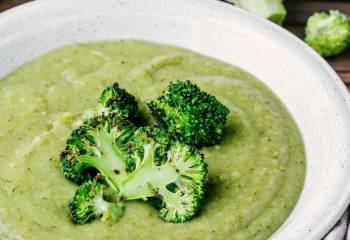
310,89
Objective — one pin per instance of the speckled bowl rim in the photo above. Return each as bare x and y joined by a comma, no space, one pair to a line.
15,26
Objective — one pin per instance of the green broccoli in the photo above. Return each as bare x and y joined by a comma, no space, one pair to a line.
273,10
132,163
89,204
328,33
189,114
143,135
98,144
115,99
172,172
178,181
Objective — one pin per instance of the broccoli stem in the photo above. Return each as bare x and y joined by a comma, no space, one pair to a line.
108,210
109,161
148,180
105,166
273,10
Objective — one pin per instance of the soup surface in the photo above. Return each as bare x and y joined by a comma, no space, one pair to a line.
256,173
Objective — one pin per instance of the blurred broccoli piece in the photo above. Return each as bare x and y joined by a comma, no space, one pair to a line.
328,33
272,10
99,144
89,204
189,114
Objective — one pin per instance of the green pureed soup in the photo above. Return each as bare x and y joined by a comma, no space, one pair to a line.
256,172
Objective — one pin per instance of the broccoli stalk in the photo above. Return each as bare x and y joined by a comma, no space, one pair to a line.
273,10
100,144
89,204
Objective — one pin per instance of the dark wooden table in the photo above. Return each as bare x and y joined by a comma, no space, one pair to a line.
298,11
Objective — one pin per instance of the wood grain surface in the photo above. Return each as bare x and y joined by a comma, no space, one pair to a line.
298,11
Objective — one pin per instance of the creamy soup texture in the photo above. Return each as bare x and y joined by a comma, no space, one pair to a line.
256,173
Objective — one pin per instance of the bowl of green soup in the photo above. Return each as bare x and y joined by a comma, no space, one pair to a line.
280,169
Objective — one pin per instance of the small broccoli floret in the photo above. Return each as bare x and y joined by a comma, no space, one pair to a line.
99,143
115,99
328,33
272,10
89,204
178,182
189,114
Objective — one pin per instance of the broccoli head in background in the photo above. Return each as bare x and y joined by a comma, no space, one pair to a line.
328,33
189,114
99,144
272,10
89,204
115,99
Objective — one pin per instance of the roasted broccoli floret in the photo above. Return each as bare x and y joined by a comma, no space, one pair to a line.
328,33
99,143
141,163
89,204
179,181
115,99
172,172
189,114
